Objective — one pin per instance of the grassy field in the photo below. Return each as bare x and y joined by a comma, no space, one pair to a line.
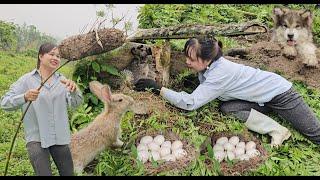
297,156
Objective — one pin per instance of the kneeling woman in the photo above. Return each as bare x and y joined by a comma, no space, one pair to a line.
245,92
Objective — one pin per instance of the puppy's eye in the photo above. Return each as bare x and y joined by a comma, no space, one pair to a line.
120,100
284,25
298,26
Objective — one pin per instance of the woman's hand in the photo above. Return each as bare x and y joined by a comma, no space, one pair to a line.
70,85
31,95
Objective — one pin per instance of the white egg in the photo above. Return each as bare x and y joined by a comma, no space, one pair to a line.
218,147
143,156
252,153
222,140
239,151
164,151
179,153
158,139
241,144
230,155
229,147
166,144
142,147
146,140
169,157
234,140
155,155
176,145
250,145
219,155
153,146
244,157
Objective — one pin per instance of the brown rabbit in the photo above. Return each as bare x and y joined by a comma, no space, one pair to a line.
104,131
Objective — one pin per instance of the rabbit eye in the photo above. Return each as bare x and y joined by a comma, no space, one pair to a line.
120,100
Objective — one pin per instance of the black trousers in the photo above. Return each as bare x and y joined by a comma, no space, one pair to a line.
40,159
289,106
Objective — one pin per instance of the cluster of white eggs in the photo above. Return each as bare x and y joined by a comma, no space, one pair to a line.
233,148
158,148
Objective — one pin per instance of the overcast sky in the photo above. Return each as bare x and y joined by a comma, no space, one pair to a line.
63,20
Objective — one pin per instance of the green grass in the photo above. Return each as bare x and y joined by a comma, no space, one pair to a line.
298,156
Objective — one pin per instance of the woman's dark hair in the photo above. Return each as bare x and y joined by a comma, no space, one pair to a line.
207,48
44,48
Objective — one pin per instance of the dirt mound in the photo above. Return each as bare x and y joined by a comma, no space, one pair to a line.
268,56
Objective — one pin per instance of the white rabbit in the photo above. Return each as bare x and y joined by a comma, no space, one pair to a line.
104,131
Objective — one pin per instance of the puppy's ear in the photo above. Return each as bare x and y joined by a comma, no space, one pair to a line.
307,17
278,11
277,14
285,10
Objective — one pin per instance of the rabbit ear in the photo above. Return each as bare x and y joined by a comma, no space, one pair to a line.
101,91
106,94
